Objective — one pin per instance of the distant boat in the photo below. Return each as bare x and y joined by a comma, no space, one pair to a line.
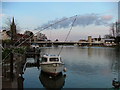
52,64
35,45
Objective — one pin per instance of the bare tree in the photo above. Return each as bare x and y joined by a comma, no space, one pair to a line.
115,29
6,24
112,30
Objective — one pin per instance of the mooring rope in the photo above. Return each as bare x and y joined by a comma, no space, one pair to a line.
43,28
68,34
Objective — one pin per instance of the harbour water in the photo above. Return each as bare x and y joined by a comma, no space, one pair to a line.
87,67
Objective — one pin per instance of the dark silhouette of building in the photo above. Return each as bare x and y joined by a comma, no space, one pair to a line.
13,29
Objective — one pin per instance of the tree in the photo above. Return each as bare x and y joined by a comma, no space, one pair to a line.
118,39
29,33
115,29
6,24
56,40
108,36
112,30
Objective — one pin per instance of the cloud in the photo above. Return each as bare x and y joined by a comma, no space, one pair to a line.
2,15
77,32
82,20
107,17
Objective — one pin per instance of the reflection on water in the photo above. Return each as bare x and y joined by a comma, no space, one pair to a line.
87,67
20,80
52,82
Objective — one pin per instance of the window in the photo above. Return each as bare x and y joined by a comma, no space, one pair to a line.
54,59
60,59
44,59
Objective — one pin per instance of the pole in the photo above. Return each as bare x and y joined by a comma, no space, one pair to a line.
11,65
11,56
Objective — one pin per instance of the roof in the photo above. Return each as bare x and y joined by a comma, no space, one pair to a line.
109,39
22,35
48,55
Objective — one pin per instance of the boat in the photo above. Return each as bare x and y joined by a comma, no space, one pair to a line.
116,84
52,83
51,64
35,45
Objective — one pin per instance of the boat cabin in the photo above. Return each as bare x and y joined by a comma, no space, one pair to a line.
51,59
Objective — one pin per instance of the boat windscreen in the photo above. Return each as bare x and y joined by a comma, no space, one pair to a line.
54,59
44,59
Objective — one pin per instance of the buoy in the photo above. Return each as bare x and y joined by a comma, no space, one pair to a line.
65,69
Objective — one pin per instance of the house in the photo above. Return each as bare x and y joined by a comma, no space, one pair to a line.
41,37
108,42
82,40
5,35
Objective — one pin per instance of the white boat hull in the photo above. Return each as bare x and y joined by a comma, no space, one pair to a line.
52,68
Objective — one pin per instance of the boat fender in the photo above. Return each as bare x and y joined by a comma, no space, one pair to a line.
54,65
50,77
65,69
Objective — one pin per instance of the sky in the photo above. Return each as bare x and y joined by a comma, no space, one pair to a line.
93,18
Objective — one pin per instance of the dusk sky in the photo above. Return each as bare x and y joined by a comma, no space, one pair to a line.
93,18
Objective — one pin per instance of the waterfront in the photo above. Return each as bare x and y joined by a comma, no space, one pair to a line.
87,67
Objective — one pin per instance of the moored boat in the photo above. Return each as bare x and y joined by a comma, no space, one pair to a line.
52,83
51,64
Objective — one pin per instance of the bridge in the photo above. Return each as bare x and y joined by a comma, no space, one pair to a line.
66,43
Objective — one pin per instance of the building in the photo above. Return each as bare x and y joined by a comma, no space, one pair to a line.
82,41
35,38
108,42
5,35
41,37
22,36
96,40
29,33
13,29
11,34
89,39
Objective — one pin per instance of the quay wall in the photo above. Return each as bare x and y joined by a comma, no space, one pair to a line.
18,63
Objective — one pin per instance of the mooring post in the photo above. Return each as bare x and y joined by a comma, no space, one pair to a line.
11,53
11,65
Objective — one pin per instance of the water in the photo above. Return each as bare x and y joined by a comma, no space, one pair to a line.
87,67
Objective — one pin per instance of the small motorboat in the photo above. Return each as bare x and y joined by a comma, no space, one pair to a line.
35,45
52,83
115,83
51,64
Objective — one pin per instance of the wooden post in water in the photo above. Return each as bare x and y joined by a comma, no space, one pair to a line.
20,80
